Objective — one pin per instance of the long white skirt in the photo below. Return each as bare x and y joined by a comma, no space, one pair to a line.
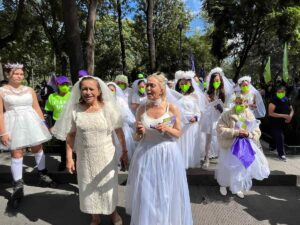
231,172
157,191
189,144
25,129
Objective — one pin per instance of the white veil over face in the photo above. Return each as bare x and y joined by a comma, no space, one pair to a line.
111,111
260,110
121,98
119,91
135,85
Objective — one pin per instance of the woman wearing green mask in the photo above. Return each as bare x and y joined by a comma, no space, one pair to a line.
252,96
192,105
241,157
280,113
218,92
138,94
122,82
128,121
54,107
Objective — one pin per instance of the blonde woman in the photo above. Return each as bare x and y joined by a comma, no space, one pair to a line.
157,191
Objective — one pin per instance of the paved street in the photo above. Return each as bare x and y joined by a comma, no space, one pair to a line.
262,205
273,201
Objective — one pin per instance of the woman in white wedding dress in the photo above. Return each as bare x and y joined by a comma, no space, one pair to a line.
193,103
87,123
218,94
157,191
128,121
22,125
241,156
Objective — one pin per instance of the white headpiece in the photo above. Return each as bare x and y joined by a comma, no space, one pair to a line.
178,74
218,70
122,78
14,66
110,109
188,75
244,78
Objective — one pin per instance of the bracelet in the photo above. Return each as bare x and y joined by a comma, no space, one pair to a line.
1,135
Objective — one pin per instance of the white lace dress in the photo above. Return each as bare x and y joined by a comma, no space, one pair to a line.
21,121
157,191
96,162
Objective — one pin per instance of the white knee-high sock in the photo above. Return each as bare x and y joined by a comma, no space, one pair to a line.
40,160
17,168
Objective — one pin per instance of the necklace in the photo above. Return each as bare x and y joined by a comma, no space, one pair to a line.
155,102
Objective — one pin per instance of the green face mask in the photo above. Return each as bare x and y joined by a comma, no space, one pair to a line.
216,84
122,86
239,109
142,90
280,95
63,88
184,87
205,84
245,89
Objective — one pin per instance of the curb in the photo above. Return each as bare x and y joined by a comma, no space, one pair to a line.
203,178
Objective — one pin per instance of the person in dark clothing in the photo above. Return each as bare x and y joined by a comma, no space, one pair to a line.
280,113
46,90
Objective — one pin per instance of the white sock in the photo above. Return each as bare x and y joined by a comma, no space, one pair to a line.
40,160
17,168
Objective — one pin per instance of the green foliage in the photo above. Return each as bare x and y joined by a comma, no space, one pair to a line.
42,37
241,25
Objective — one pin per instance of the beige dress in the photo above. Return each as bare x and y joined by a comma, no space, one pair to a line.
96,163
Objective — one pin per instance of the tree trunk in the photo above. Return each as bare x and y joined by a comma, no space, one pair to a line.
150,35
73,37
122,42
90,34
16,26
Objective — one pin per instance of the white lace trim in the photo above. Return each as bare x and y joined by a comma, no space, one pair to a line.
7,90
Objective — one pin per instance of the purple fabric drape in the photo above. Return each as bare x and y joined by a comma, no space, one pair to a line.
242,149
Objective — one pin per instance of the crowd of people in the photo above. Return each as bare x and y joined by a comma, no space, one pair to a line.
156,130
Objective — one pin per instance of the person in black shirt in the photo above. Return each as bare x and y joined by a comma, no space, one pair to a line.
280,114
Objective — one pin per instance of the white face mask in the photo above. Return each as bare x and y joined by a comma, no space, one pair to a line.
155,102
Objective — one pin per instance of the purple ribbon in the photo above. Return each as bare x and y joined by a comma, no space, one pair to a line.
243,150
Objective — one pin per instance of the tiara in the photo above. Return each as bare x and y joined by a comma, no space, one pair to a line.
13,66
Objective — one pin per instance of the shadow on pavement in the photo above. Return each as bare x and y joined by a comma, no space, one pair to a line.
204,195
57,209
274,205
